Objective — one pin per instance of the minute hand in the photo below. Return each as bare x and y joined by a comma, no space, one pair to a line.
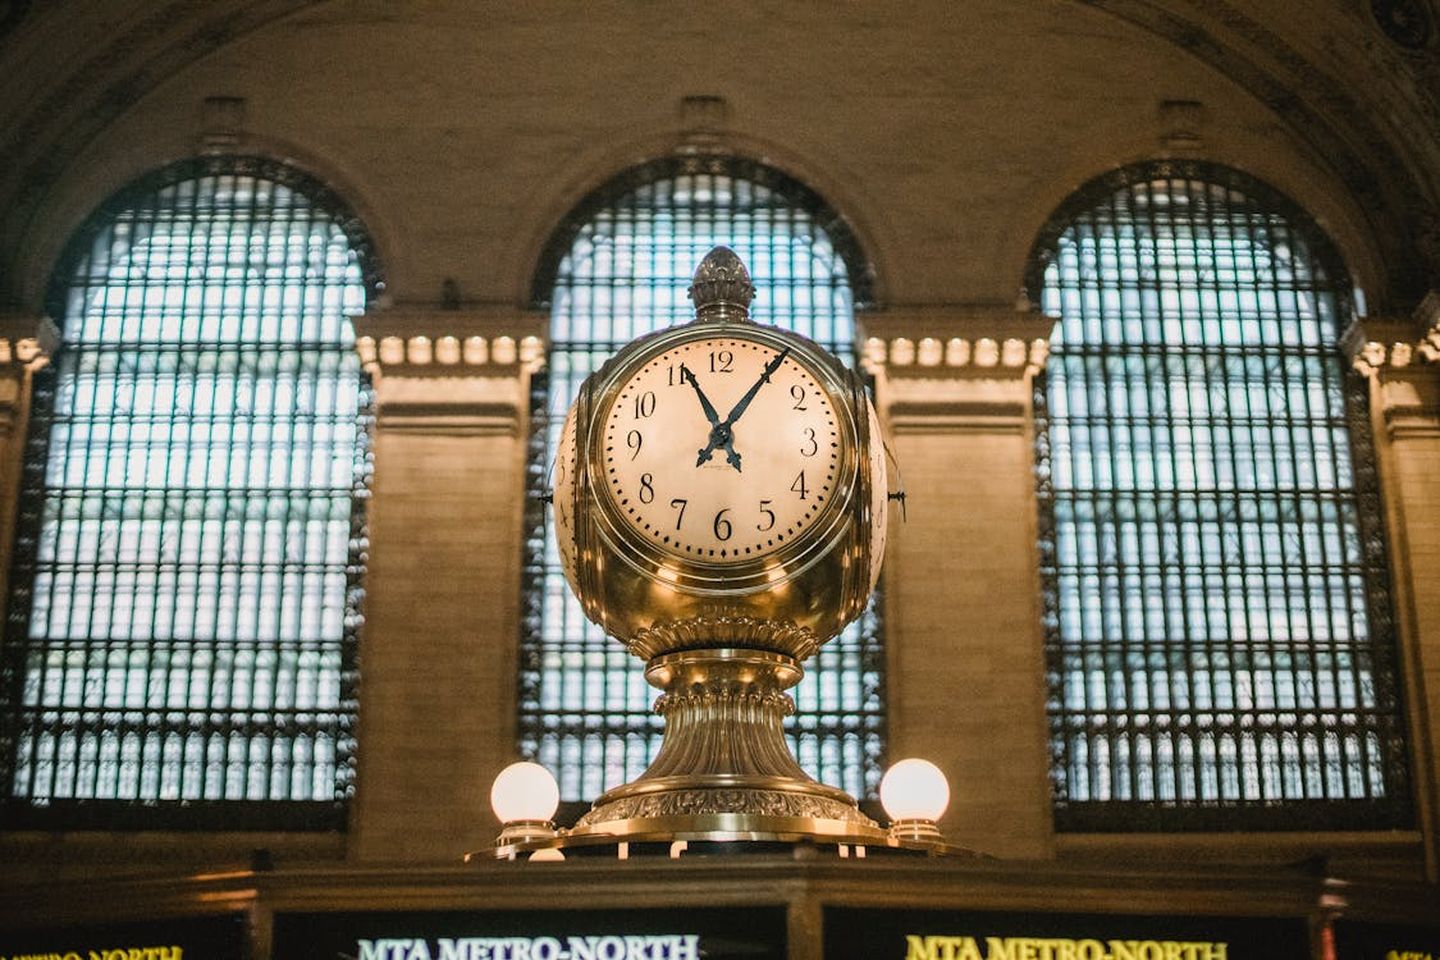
770,368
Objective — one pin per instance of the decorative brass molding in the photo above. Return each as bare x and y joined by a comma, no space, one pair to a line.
691,803
745,633
721,289
724,751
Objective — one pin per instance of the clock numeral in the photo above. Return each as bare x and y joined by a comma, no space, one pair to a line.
810,448
645,404
635,441
680,518
647,488
670,375
722,526
798,392
765,509
721,361
797,487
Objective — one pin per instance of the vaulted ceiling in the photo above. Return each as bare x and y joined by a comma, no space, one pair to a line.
1364,103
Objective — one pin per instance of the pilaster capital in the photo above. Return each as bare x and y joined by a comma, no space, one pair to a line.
959,341
1402,357
27,341
1386,346
451,372
426,342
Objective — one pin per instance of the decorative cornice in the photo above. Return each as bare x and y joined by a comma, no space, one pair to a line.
409,342
976,342
1378,346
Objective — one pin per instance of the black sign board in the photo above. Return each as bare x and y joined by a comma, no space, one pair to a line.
875,934
188,938
1362,940
750,933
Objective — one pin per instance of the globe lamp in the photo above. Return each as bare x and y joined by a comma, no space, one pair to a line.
524,798
914,794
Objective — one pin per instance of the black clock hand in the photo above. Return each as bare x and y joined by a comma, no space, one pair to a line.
770,368
720,436
705,404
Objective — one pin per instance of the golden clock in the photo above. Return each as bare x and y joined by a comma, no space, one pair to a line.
720,495
721,469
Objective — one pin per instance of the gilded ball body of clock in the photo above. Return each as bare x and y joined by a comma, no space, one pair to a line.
721,481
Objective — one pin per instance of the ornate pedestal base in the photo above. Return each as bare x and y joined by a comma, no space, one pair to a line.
724,767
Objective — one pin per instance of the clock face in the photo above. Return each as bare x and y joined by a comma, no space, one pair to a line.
722,450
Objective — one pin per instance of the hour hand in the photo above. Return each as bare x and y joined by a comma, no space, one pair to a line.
705,403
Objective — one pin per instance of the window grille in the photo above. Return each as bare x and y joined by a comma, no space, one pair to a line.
619,267
1220,641
180,642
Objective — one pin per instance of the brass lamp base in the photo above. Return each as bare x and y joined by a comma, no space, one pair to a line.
724,766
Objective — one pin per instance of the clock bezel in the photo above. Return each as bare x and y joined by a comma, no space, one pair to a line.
663,565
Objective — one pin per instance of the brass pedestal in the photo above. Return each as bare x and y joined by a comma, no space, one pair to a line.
724,770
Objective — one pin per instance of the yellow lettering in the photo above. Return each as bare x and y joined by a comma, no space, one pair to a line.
998,949
920,948
969,949
1124,950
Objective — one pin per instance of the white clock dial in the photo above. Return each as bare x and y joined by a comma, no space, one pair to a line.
721,450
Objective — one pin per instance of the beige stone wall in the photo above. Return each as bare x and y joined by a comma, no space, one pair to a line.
438,663
965,686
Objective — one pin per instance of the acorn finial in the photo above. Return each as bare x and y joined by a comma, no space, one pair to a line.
722,289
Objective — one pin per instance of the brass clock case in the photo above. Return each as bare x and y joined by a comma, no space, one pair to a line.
658,600
724,639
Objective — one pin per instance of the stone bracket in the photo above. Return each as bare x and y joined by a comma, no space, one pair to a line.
451,372
27,340
983,342
1379,346
428,343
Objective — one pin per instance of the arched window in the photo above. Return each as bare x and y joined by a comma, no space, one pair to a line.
617,268
181,637
1220,638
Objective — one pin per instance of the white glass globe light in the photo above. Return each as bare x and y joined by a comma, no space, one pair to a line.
524,791
914,789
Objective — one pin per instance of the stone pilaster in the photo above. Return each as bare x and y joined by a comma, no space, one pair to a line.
1401,358
438,658
966,662
26,343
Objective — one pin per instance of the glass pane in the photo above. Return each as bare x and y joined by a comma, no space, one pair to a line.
190,569
1218,609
